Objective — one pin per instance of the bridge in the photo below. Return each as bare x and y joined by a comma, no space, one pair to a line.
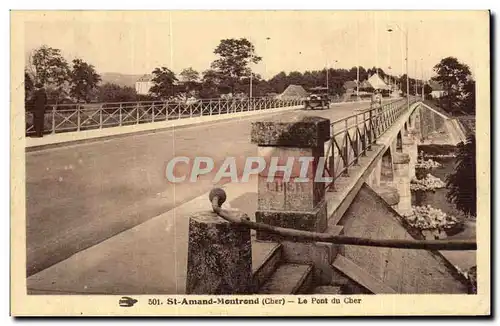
102,218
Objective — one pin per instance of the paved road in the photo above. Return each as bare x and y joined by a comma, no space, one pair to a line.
78,196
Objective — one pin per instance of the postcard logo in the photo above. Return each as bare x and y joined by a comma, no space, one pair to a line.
290,169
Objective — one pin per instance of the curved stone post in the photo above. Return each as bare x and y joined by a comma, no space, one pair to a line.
402,181
219,256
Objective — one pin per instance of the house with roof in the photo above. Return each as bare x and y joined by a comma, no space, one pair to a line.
293,92
144,84
437,89
377,83
350,86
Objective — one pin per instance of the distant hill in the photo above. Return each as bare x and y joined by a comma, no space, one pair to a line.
120,79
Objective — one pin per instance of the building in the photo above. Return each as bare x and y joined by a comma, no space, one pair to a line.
437,89
350,86
144,84
293,92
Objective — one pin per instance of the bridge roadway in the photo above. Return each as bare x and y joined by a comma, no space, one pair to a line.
80,195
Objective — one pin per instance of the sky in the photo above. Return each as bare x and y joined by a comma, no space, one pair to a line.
137,42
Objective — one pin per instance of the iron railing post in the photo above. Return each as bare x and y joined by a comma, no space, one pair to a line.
78,121
356,142
53,119
100,117
345,150
372,131
136,113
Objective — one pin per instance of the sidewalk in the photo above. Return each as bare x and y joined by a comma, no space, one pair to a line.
71,138
149,258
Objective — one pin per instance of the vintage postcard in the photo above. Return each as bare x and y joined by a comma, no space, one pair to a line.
250,163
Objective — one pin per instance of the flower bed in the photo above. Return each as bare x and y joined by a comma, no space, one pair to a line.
429,164
429,183
429,218
439,156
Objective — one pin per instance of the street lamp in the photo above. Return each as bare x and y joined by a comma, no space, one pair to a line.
328,89
405,33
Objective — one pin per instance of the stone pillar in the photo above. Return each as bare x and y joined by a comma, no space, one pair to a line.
402,181
292,204
219,256
373,179
410,147
416,128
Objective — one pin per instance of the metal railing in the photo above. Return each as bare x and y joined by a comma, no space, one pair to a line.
78,117
217,197
353,136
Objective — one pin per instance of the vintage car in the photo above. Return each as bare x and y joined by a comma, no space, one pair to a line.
317,99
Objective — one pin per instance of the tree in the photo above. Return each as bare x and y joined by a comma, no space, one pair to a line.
462,183
279,82
29,87
190,78
84,80
189,75
453,76
163,83
235,55
48,67
110,92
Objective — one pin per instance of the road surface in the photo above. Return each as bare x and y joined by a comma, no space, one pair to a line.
80,195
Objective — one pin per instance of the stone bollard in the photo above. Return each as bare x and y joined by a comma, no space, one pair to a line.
297,205
402,181
219,256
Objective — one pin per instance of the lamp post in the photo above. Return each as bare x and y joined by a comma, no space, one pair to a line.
422,75
405,33
327,88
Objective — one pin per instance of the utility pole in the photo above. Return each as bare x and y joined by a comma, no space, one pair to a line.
357,60
416,80
422,76
407,77
327,89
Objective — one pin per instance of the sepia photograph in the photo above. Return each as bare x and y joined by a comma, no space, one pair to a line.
250,162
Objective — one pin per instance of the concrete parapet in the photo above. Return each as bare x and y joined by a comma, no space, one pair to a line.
219,256
298,131
314,220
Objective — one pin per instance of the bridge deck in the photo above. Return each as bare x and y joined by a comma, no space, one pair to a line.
80,195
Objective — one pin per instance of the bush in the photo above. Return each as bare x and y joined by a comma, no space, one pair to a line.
430,182
429,218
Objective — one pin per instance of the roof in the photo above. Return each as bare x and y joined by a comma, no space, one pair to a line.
365,84
294,91
145,78
377,82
